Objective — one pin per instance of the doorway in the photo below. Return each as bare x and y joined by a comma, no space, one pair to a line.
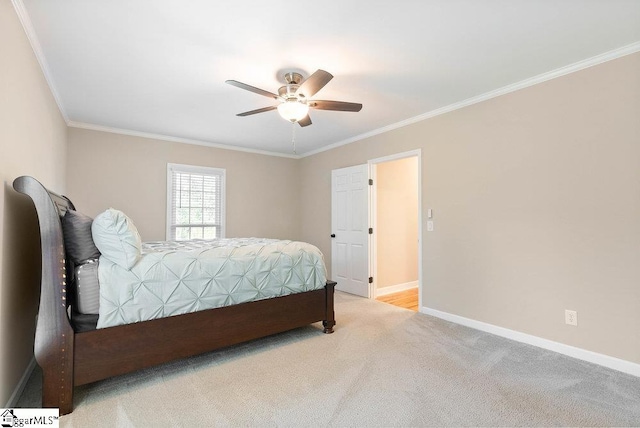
395,218
365,229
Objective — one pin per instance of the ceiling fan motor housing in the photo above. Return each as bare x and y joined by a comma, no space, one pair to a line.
288,92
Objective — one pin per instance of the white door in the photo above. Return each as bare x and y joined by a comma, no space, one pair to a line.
350,229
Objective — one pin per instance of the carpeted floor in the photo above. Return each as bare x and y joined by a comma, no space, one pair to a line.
383,366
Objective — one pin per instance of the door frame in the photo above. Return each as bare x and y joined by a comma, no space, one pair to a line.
373,242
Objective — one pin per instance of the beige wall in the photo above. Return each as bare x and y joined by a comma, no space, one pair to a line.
536,198
396,222
32,142
130,174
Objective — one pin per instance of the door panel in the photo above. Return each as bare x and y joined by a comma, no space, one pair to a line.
341,261
341,206
350,224
358,258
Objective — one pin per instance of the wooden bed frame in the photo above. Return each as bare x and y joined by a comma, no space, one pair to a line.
70,358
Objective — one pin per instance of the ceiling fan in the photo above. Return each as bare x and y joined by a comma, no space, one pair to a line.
295,97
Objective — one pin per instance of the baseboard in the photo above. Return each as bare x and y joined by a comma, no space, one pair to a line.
395,288
13,400
561,348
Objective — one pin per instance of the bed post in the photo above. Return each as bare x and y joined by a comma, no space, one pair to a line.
53,347
330,317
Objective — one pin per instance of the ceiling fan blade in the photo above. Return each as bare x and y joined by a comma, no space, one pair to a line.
306,121
314,83
335,105
251,88
260,110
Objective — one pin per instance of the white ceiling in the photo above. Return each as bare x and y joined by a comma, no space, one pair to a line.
159,66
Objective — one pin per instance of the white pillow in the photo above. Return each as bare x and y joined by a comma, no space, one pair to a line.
117,238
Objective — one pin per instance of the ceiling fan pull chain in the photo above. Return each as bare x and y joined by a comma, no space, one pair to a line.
293,137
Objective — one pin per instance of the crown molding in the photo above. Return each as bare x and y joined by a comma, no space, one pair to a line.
572,68
25,20
559,72
180,140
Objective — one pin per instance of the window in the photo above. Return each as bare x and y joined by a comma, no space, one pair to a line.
195,202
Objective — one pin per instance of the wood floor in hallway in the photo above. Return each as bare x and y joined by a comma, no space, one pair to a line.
407,299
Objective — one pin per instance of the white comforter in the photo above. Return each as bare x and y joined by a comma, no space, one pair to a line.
173,278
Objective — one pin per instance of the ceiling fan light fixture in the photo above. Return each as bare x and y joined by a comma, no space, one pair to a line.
293,110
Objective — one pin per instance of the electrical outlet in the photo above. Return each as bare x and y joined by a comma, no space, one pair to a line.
571,317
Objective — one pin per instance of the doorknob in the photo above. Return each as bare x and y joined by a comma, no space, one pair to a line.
333,235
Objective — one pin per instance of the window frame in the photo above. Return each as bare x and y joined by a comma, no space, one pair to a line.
194,169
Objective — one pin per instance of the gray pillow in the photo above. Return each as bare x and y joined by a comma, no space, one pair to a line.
76,229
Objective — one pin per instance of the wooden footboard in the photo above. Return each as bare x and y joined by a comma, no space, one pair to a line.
116,350
68,359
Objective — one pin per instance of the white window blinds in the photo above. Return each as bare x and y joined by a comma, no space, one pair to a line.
195,202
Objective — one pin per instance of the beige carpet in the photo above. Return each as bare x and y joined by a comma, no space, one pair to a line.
384,366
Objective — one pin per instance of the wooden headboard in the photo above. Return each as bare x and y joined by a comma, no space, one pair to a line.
53,332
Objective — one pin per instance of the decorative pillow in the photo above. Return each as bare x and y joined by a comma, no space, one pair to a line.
117,238
76,230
